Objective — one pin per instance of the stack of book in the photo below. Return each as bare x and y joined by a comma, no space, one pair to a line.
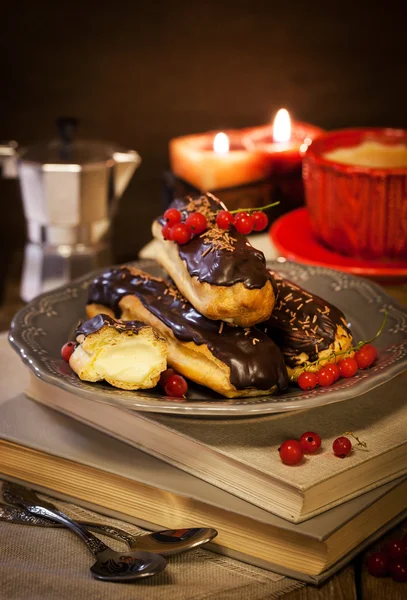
159,471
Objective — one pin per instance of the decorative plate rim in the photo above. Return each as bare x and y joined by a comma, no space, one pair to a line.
25,339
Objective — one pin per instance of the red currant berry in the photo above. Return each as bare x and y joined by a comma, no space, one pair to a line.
66,350
260,220
243,223
196,222
325,377
307,380
164,376
348,367
223,219
334,370
342,446
176,386
395,549
166,231
378,564
310,442
291,452
172,216
180,233
398,570
366,356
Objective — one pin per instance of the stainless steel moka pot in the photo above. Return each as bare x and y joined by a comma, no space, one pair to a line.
70,190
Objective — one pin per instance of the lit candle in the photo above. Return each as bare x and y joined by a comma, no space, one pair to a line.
282,126
246,168
214,161
221,143
283,145
280,149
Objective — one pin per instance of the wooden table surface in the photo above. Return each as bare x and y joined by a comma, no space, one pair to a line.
353,582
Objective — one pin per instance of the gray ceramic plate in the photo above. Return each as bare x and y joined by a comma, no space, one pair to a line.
40,329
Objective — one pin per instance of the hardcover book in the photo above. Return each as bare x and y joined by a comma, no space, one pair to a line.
241,455
54,453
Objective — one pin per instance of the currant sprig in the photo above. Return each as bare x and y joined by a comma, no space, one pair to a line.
355,437
347,367
249,210
180,231
390,559
245,220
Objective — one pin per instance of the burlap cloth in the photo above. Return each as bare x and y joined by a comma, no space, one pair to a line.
40,563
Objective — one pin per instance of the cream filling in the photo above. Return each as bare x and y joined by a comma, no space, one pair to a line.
130,361
81,363
371,154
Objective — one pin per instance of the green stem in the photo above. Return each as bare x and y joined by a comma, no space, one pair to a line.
237,210
351,349
385,313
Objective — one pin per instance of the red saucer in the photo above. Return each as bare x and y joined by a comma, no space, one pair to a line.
292,237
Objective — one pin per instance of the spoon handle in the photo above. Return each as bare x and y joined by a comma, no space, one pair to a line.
20,496
15,514
94,544
113,532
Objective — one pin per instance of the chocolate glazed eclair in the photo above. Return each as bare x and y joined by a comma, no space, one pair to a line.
230,360
306,328
218,271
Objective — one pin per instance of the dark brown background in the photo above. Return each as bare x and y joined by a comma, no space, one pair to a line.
141,72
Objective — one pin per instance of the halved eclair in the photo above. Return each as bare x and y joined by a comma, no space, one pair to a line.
218,271
306,328
129,355
227,359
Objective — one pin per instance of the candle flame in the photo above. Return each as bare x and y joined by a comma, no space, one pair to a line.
221,143
282,126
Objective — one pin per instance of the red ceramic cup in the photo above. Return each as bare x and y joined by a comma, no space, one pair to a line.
355,209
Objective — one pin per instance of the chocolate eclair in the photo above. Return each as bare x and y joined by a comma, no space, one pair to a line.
306,327
218,271
127,354
228,359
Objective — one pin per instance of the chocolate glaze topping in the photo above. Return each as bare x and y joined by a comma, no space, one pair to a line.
96,323
229,259
302,322
253,358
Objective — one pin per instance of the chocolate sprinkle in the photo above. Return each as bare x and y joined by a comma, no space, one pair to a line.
217,256
99,321
253,364
291,332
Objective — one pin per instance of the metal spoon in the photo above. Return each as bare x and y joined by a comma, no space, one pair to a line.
109,565
166,542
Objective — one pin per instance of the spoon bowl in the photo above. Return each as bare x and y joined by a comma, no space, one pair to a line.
174,541
126,566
